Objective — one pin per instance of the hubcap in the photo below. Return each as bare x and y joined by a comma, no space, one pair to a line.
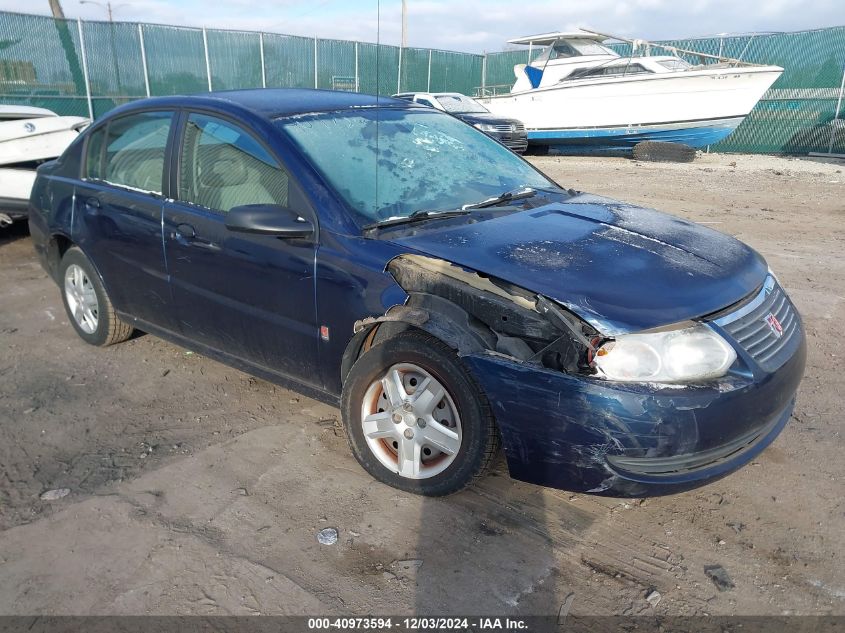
410,422
81,299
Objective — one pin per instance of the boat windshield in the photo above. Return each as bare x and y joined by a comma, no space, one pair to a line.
577,47
459,104
675,64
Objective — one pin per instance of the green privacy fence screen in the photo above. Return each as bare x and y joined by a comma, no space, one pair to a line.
87,68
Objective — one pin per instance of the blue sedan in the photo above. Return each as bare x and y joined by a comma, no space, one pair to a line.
450,297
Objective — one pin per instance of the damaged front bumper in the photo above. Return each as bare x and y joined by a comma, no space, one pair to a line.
12,209
585,434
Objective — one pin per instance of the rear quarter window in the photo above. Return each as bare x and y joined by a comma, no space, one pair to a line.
93,166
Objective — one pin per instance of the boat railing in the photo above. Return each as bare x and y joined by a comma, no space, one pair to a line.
674,50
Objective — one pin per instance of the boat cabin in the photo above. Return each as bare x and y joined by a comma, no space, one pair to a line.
578,55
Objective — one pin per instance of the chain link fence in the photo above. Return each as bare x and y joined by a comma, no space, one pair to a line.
86,68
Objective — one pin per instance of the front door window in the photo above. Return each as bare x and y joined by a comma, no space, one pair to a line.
221,166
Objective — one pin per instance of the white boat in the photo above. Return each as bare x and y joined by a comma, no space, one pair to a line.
578,94
28,137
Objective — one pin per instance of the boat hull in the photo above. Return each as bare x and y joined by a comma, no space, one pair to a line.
695,107
624,138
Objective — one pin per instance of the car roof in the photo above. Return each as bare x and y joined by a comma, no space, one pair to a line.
271,103
276,102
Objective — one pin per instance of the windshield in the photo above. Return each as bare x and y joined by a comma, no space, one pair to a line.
591,47
408,160
675,64
562,49
459,104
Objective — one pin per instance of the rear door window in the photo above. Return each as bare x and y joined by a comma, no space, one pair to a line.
135,151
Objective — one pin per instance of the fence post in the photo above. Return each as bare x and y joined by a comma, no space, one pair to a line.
484,74
357,84
85,71
428,84
261,52
207,59
836,115
144,59
315,63
399,73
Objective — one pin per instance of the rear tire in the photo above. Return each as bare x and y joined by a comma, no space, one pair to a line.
660,152
435,434
86,302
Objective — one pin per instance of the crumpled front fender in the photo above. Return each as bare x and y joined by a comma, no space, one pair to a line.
563,430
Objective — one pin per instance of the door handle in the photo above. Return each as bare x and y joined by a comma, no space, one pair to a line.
185,231
186,235
92,204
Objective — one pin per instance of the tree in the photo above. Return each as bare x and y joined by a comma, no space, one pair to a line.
68,47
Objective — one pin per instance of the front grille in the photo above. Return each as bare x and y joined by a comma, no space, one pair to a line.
754,329
509,128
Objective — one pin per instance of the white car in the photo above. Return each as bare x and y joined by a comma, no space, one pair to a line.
28,137
509,132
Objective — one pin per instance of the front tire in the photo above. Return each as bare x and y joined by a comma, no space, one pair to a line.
415,418
86,302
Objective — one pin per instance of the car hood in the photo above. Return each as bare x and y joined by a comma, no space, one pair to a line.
621,268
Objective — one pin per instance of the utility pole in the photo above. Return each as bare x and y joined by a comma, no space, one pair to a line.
110,11
107,6
404,23
403,44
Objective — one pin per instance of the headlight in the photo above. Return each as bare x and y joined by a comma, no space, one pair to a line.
692,353
485,127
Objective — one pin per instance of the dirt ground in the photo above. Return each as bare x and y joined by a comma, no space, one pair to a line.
196,489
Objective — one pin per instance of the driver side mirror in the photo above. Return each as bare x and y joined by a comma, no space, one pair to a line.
268,219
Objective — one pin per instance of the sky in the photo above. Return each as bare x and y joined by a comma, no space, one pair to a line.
465,25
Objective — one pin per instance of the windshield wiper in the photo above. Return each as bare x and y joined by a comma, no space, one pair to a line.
519,193
416,216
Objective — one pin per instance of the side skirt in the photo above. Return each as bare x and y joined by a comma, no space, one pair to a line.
259,371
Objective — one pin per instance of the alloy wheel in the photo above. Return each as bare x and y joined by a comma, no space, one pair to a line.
81,298
410,422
